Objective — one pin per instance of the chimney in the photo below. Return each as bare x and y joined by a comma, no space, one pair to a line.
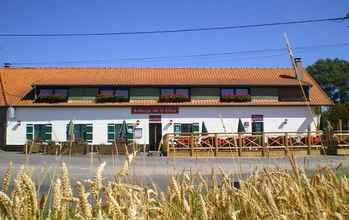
7,65
299,68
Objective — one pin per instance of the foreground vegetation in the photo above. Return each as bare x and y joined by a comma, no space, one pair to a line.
270,194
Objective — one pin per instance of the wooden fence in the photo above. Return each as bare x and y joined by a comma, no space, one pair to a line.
252,144
218,144
338,143
78,148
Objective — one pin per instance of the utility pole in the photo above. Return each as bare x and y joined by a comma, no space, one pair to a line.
299,74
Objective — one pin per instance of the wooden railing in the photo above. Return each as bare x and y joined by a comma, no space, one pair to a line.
237,143
341,138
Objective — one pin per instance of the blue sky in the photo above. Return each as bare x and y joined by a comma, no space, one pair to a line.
66,16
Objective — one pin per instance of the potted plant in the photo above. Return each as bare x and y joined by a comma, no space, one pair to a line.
51,99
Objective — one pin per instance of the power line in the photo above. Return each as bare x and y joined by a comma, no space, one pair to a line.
217,28
158,57
241,52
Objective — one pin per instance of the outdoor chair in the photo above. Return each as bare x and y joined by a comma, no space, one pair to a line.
183,141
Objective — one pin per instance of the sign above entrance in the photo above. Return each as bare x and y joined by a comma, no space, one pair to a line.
155,110
155,118
257,118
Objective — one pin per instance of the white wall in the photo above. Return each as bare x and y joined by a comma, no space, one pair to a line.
299,118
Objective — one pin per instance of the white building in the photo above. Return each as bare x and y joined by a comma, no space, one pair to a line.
39,103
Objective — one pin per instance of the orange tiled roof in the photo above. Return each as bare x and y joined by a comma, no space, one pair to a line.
19,81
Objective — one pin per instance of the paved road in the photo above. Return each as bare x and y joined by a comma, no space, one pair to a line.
146,169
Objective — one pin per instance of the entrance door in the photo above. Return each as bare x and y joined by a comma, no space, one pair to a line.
155,134
257,127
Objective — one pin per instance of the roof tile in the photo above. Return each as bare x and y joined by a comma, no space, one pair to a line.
17,82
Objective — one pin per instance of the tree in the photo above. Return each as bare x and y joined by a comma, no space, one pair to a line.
336,113
333,77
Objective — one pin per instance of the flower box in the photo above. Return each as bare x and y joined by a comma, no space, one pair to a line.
236,98
103,99
174,98
51,99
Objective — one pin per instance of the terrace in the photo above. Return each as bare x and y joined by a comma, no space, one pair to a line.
214,145
255,144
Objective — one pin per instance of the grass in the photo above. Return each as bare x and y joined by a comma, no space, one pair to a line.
270,194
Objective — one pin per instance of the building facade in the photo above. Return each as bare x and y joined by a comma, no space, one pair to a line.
41,103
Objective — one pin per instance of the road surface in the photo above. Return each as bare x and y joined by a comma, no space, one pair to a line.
147,169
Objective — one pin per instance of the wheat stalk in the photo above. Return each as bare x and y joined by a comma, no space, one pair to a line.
7,204
31,194
67,190
6,179
84,205
56,198
271,194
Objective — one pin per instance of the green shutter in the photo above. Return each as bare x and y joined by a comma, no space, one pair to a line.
118,131
111,133
265,93
205,93
88,137
67,132
48,132
129,134
195,128
144,93
29,132
177,128
82,93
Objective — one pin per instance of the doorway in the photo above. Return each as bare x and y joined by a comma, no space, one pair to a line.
155,134
257,127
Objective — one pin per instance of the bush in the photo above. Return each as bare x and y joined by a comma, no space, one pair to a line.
51,99
236,98
102,99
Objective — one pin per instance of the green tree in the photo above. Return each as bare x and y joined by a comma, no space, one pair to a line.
333,77
336,113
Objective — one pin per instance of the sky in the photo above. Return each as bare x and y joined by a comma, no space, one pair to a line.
93,16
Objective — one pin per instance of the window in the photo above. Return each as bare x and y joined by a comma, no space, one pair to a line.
186,128
235,95
182,92
121,93
61,92
112,95
235,92
82,132
175,91
227,92
241,91
292,94
167,91
45,92
39,132
115,132
106,92
53,92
